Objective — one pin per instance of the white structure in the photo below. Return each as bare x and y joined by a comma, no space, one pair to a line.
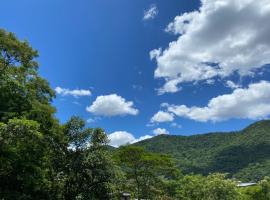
245,184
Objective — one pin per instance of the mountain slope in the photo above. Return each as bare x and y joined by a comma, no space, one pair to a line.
243,154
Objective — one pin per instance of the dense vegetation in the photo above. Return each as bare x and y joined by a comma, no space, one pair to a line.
244,154
40,158
43,159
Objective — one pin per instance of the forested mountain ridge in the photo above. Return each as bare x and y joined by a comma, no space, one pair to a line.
243,154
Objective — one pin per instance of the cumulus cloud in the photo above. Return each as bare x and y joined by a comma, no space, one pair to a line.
74,93
252,102
222,37
119,138
162,116
112,105
151,13
160,131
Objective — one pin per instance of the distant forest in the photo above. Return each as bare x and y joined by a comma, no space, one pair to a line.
244,155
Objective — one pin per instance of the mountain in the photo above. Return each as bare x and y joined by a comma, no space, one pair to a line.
242,154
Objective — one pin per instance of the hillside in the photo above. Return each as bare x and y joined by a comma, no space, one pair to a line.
243,154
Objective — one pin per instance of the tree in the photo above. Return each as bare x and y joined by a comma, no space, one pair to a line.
147,171
220,188
191,187
89,168
22,91
212,187
25,95
260,191
23,161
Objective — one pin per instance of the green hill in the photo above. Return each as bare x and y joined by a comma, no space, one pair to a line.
243,154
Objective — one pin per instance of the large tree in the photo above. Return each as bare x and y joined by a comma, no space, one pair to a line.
22,91
212,187
89,168
148,172
25,95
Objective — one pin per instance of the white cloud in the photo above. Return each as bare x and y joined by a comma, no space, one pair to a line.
243,103
112,105
162,116
119,138
90,120
171,86
164,104
155,53
145,137
222,37
74,93
160,131
151,13
232,85
210,81
93,120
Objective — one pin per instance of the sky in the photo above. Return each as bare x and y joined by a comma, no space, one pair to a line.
149,67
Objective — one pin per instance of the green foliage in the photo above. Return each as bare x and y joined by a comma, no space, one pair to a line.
212,187
23,161
22,91
89,168
39,158
261,191
149,173
244,154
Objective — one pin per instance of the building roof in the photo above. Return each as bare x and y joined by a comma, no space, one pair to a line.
245,184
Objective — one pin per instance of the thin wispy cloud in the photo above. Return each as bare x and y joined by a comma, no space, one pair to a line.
232,85
175,125
74,93
92,120
151,13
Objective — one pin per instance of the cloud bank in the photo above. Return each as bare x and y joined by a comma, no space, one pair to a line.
252,102
221,38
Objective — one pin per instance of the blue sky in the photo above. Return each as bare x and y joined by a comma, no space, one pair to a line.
103,47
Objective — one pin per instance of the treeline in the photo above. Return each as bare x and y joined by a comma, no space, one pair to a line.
43,159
